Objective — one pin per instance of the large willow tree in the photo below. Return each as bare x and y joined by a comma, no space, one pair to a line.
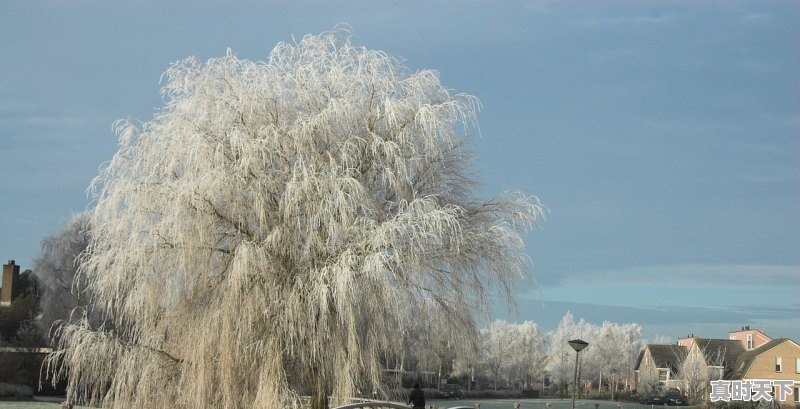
276,226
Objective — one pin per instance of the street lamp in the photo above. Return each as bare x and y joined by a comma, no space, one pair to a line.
578,345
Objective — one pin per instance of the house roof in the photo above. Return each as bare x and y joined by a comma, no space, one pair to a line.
665,356
745,360
720,352
748,329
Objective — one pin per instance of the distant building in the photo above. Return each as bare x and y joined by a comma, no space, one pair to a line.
689,365
778,359
659,365
750,338
10,278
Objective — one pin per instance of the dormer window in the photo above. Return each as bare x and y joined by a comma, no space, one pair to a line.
749,341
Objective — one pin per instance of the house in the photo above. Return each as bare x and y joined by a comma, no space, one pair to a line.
693,362
10,278
706,360
718,355
778,359
750,338
658,365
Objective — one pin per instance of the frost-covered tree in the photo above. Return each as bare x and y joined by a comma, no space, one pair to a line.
272,230
629,343
497,348
702,363
562,356
613,350
529,353
56,267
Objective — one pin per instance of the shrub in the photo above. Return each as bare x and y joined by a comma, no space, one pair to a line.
10,390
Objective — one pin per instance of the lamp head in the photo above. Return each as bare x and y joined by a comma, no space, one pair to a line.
578,344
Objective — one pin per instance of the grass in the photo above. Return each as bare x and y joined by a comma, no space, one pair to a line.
11,404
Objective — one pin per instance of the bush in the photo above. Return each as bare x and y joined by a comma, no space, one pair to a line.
20,368
10,390
628,396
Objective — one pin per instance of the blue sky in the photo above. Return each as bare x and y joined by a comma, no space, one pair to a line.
663,136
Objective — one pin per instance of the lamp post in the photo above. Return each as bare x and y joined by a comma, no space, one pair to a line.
578,345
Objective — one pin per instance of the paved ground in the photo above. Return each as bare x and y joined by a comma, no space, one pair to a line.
535,404
50,404
28,405
441,404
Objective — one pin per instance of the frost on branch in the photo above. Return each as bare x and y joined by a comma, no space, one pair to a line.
272,230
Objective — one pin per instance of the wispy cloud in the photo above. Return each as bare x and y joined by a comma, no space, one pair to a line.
17,115
597,22
726,274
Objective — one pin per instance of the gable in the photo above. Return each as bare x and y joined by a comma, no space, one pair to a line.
667,356
745,361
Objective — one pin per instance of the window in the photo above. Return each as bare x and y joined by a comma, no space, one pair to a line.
777,364
797,394
749,341
797,366
663,375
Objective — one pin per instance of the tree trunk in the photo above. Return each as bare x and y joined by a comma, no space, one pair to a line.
318,387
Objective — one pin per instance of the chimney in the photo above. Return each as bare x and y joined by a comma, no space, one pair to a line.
10,274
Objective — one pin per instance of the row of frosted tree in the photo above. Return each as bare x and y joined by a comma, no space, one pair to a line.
521,356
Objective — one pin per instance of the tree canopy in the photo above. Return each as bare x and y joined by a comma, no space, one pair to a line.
275,227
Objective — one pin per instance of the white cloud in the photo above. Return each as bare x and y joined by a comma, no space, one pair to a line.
705,274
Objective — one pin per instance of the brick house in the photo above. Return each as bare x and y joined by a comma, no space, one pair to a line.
778,359
690,364
750,338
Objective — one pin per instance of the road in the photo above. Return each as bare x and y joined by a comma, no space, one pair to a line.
535,404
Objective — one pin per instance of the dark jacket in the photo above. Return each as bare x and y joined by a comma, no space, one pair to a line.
417,398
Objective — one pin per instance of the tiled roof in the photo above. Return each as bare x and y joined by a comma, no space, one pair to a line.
668,356
727,349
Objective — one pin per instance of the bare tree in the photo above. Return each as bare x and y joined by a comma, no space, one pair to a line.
57,267
529,354
497,348
562,357
648,378
702,364
277,224
629,343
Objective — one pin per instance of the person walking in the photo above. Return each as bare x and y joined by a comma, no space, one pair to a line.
417,398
